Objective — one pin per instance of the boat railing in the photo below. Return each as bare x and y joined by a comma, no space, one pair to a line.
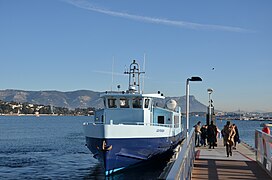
134,123
263,146
147,124
183,165
155,124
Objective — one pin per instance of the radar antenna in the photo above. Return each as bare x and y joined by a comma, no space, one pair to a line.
134,77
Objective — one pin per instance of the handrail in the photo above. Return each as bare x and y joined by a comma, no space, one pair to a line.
134,123
156,124
263,146
183,166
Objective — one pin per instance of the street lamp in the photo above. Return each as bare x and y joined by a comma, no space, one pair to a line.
210,90
187,102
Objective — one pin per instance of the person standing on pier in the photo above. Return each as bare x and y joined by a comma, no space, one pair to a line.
203,135
197,134
212,133
266,129
229,133
236,137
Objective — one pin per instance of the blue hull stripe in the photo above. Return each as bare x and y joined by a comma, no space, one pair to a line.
127,152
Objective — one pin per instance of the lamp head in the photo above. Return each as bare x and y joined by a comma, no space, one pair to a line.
195,78
210,90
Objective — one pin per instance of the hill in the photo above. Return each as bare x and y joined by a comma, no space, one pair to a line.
80,99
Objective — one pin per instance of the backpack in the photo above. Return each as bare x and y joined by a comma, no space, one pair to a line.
222,133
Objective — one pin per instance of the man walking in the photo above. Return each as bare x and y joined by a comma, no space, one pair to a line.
212,132
197,134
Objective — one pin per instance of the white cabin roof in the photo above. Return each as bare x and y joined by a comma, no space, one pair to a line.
124,94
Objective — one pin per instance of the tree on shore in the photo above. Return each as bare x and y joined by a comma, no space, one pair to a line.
27,108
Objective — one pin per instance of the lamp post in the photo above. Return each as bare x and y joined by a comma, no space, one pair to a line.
210,90
187,102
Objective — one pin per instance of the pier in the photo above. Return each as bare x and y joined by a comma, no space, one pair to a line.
203,163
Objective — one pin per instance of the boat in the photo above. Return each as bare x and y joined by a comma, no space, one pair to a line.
131,128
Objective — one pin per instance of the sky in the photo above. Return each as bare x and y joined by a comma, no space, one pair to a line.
69,45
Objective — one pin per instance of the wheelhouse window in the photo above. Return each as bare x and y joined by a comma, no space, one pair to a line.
112,103
124,103
146,105
137,103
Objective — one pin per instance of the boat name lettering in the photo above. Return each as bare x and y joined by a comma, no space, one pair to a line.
160,130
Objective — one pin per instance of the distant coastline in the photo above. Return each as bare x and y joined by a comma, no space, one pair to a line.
81,99
30,109
25,115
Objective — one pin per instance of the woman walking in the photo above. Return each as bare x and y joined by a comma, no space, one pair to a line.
229,133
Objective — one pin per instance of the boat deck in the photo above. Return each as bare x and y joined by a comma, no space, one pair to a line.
214,164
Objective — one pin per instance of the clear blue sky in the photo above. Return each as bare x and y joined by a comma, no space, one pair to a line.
69,45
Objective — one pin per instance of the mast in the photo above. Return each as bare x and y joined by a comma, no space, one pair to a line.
134,77
112,72
143,75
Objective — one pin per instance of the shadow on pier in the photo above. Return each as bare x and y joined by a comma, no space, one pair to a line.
214,164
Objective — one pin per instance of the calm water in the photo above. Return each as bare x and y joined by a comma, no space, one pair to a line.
54,148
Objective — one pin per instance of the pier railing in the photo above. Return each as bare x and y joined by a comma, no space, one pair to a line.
183,166
263,146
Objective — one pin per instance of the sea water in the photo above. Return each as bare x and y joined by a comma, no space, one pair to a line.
53,147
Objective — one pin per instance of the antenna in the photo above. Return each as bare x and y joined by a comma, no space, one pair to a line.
143,75
112,72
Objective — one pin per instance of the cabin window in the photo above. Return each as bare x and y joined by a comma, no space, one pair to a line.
176,121
112,103
124,103
137,103
160,119
146,103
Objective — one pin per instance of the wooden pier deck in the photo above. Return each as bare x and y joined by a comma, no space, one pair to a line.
213,164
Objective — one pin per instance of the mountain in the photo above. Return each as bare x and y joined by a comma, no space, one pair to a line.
71,100
81,99
195,105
